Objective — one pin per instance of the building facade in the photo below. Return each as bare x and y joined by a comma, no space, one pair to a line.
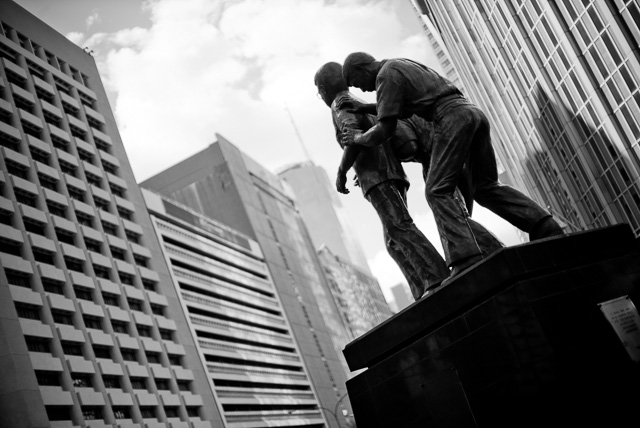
224,184
241,332
92,330
560,82
323,213
357,294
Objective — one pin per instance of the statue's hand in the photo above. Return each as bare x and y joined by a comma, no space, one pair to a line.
350,104
356,182
350,136
341,183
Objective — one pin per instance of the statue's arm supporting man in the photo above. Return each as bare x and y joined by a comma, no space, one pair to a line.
374,136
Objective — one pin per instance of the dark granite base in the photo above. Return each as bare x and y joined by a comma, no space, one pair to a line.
519,340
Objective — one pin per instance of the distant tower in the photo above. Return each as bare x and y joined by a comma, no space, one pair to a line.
560,82
401,295
323,212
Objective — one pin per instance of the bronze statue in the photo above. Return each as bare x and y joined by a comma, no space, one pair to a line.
462,137
383,182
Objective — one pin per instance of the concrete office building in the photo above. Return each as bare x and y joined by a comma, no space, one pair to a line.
323,213
357,294
92,331
241,332
560,83
224,184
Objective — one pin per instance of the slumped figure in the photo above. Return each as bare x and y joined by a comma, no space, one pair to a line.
462,137
383,182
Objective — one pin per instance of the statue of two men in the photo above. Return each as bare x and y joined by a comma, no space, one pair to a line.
421,116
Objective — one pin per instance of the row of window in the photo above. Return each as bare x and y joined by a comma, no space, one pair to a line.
38,344
63,413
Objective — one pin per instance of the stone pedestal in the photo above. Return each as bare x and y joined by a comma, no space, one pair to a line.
519,340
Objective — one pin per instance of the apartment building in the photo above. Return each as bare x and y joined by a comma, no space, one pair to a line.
242,334
92,330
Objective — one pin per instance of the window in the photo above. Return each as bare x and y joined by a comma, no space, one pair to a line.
92,322
28,311
57,210
52,287
82,380
102,352
119,326
162,384
110,299
184,385
158,310
65,237
37,344
128,355
71,348
76,194
73,264
110,228
193,412
166,334
18,279
135,305
118,253
36,228
148,285
48,378
148,412
140,261
58,413
121,412
153,358
84,294
126,279
42,257
111,381
102,272
90,413
138,383
175,360
171,412
62,317
92,245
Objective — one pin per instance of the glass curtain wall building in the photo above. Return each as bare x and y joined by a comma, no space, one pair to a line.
226,185
241,332
560,83
92,331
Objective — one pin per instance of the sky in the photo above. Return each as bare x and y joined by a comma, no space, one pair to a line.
179,71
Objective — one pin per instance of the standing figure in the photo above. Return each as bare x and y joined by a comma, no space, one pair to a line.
383,182
462,137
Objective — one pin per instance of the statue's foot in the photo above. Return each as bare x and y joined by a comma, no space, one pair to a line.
460,266
545,228
431,288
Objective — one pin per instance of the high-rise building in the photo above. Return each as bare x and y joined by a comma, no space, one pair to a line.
226,185
401,295
323,213
560,83
91,326
235,315
357,294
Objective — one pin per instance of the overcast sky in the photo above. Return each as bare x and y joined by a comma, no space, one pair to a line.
179,71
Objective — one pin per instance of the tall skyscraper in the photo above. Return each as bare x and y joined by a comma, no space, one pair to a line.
357,294
323,213
560,82
92,331
234,312
401,295
226,185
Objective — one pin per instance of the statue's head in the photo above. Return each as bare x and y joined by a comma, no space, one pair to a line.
329,82
360,70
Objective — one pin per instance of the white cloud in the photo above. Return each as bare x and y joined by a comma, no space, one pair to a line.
94,18
204,67
76,37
